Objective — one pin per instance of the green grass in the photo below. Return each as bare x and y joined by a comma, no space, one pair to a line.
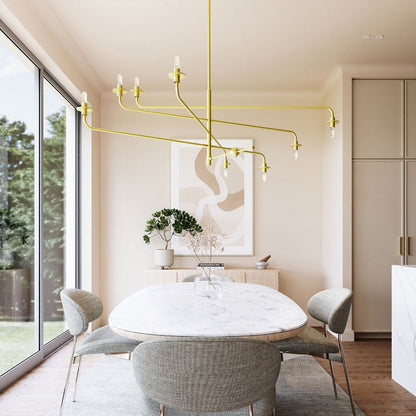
18,341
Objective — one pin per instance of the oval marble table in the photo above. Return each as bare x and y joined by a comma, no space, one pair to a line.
244,310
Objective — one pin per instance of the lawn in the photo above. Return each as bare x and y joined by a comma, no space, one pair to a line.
18,341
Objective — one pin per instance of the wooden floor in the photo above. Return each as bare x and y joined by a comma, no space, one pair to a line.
369,363
369,366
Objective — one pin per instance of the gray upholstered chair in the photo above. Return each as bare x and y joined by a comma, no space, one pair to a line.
222,277
81,308
331,307
196,376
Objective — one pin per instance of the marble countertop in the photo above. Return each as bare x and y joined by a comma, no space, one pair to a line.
175,310
404,326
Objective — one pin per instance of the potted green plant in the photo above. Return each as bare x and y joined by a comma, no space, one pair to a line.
165,224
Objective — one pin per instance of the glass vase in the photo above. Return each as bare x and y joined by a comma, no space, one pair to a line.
209,288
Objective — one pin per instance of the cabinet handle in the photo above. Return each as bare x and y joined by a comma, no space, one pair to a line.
401,246
408,246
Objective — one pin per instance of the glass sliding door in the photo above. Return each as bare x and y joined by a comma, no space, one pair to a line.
58,207
38,209
19,115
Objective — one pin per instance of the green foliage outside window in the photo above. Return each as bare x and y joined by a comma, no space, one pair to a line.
17,200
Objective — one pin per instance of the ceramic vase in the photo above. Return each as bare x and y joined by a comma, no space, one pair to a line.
164,258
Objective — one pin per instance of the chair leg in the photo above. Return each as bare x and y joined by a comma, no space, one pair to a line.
250,410
76,379
333,378
346,374
162,410
67,376
334,386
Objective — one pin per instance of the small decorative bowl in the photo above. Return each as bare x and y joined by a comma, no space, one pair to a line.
262,264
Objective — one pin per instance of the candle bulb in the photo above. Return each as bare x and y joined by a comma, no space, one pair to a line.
264,176
295,154
136,82
119,80
225,173
84,97
177,63
332,132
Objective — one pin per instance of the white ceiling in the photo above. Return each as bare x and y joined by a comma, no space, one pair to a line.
256,44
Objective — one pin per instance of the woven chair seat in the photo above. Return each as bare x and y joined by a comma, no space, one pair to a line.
309,341
104,341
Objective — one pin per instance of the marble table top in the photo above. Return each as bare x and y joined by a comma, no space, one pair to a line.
244,310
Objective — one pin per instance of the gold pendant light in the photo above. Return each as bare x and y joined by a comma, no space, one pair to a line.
212,142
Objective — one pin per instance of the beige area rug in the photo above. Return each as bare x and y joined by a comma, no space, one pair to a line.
107,388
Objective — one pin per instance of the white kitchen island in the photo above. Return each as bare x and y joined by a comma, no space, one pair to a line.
404,326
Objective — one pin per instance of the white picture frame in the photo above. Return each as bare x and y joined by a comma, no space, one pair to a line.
226,203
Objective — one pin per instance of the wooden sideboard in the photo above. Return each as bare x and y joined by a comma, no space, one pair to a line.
266,277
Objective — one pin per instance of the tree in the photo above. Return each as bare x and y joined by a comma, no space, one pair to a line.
17,198
54,208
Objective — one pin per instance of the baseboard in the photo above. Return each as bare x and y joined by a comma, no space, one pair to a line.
348,335
373,335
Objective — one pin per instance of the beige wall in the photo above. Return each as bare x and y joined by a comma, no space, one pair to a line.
332,189
335,177
135,181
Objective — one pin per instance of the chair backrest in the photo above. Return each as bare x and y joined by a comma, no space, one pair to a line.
222,277
206,374
80,308
331,306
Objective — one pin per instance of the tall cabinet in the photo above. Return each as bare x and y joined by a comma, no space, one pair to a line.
384,195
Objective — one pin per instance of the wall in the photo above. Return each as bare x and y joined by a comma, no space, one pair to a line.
332,189
135,181
336,178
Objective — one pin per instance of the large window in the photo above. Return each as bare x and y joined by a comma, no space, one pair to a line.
38,209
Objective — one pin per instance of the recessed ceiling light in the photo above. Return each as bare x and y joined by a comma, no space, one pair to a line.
366,37
380,37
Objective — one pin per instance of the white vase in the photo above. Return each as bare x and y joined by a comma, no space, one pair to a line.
164,258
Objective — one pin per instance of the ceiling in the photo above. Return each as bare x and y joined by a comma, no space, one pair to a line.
256,45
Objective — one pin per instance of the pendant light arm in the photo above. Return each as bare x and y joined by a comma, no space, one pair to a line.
194,116
166,139
332,121
255,126
264,166
209,92
84,109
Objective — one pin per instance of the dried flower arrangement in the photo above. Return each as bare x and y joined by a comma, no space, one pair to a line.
204,246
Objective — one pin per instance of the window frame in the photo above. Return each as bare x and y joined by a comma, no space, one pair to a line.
45,350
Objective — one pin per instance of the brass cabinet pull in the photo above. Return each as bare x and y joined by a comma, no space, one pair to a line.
408,246
401,246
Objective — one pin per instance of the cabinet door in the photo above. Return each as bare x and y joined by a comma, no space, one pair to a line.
377,226
158,277
411,211
268,278
411,118
377,118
